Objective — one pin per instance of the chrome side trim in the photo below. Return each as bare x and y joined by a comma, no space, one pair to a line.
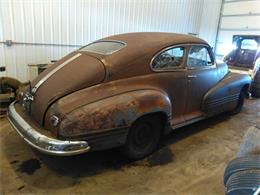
110,40
213,104
34,89
41,142
257,191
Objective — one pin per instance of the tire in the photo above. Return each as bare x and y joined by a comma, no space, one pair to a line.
143,137
240,104
255,86
243,183
241,164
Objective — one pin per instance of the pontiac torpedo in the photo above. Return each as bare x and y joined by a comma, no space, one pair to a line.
125,91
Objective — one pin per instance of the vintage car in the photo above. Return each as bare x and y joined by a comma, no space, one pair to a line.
245,59
125,91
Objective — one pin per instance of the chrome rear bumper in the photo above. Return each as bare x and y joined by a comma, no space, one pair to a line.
41,142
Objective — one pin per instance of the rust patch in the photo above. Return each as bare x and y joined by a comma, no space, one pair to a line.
115,112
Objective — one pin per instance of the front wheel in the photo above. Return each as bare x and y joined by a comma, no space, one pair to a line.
255,86
143,137
239,105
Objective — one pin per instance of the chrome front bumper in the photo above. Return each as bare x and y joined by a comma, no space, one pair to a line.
41,142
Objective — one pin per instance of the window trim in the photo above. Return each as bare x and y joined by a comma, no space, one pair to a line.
211,55
184,65
110,40
179,68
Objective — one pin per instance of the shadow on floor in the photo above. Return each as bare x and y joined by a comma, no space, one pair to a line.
94,163
30,167
183,132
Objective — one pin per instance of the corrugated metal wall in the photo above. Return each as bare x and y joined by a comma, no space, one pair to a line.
209,20
38,24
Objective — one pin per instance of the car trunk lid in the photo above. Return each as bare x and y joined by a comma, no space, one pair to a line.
73,72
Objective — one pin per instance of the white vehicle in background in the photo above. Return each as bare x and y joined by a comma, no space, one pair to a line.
245,59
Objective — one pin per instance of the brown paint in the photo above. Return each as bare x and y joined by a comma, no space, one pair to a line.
96,93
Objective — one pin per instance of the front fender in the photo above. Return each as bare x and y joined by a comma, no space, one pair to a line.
116,112
224,96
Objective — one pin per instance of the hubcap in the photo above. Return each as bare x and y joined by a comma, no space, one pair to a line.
143,136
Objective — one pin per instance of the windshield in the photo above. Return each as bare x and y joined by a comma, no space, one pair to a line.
249,44
104,47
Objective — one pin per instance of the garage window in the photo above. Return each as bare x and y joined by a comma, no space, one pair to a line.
104,47
169,59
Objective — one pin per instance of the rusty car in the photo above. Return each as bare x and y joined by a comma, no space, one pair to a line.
244,58
125,91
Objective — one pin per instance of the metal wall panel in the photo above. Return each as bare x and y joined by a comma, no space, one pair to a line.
245,22
237,17
71,23
209,20
241,7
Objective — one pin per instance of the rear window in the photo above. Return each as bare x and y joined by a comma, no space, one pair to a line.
249,44
104,47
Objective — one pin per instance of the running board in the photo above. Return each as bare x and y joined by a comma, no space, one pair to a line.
187,122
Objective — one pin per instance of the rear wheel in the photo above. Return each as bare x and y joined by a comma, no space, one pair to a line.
143,137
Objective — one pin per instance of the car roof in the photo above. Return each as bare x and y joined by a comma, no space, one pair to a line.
140,48
148,43
154,39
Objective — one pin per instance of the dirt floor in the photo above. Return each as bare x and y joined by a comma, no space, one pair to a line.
191,160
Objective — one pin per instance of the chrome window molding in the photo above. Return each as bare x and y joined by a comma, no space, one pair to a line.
111,40
179,68
34,89
213,65
202,67
183,66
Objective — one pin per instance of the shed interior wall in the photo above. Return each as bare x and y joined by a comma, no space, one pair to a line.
38,24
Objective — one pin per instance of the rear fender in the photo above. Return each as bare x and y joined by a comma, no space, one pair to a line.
224,96
116,112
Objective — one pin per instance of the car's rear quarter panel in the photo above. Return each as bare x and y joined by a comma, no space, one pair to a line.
114,112
103,114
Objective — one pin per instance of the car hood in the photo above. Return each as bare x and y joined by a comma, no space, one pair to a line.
241,70
73,72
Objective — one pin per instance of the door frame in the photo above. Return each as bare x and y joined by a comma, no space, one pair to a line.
197,113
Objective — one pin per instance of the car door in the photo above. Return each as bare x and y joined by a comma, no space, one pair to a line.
201,76
170,65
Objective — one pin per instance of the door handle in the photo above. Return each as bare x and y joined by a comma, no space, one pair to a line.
192,76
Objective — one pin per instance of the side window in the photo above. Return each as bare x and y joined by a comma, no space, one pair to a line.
169,59
199,57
